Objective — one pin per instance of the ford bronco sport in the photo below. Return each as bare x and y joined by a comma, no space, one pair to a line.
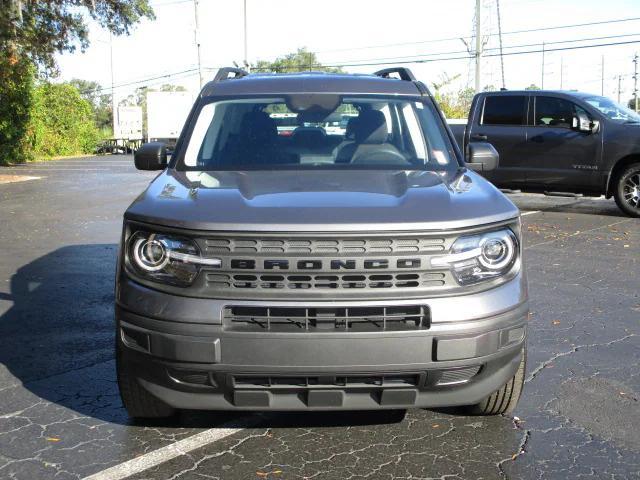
299,270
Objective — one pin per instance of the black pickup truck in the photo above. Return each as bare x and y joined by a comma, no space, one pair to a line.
558,142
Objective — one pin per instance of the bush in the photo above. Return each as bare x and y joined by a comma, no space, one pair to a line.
16,106
62,121
41,121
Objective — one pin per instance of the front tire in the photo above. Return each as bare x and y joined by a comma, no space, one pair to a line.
136,400
627,190
505,399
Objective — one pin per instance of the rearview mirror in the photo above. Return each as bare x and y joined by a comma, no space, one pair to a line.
482,157
582,123
151,156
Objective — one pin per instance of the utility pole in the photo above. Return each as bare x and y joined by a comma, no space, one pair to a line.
197,39
246,62
635,82
114,106
602,77
478,52
542,86
561,72
619,86
500,42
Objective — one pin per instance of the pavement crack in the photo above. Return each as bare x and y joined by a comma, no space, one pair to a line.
534,373
522,448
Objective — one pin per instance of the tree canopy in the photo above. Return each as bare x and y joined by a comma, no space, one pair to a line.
31,33
100,102
453,104
62,121
300,61
39,29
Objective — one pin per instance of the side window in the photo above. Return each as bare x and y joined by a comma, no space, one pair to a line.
554,112
504,110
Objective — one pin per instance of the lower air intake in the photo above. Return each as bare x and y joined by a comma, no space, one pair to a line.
458,376
327,319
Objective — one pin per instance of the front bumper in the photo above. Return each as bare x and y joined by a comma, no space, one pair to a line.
472,348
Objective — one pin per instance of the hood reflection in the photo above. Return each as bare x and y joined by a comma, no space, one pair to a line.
252,184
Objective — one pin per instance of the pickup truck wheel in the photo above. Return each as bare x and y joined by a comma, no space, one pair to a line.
505,399
137,401
627,190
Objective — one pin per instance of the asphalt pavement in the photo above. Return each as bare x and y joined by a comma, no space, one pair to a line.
61,415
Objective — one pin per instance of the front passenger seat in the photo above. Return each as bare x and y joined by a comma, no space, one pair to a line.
349,135
370,142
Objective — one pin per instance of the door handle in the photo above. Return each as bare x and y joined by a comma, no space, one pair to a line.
479,136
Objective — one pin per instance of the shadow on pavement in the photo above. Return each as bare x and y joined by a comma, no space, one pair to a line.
58,340
61,322
196,419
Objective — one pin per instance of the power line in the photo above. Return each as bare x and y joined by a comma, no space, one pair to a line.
466,57
453,52
146,81
448,39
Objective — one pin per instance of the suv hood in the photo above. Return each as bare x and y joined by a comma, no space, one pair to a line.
321,201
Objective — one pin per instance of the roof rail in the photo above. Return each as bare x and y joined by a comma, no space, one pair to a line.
403,72
223,73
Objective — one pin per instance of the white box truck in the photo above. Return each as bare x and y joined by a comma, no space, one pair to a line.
166,114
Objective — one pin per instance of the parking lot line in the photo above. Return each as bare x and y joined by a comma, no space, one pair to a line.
164,454
531,212
16,178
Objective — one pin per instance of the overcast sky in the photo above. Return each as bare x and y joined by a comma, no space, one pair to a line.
352,31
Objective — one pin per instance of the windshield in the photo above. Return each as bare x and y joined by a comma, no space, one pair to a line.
613,110
318,131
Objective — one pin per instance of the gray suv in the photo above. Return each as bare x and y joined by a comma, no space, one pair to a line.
359,267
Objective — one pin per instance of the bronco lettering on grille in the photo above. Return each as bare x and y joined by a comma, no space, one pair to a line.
315,264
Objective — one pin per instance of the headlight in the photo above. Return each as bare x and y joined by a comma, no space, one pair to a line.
166,258
481,257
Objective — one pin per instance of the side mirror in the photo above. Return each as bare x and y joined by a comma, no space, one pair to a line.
582,123
151,156
482,157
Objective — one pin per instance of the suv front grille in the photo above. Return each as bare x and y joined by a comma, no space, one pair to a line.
324,281
273,266
327,319
319,246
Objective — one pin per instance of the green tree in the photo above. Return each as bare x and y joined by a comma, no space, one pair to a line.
62,123
300,61
39,29
101,103
31,33
533,86
453,104
16,103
